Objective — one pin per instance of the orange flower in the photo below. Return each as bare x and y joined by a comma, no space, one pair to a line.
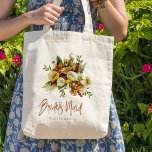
60,66
79,82
69,68
76,85
66,69
66,63
73,84
71,63
63,70
73,67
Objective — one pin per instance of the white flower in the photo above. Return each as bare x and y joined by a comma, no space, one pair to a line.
60,82
83,82
81,75
72,75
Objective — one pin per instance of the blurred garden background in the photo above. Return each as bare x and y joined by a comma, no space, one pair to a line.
132,74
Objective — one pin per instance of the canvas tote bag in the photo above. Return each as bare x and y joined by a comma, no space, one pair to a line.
67,81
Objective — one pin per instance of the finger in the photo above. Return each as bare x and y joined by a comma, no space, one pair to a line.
62,9
54,13
51,17
94,3
57,8
48,22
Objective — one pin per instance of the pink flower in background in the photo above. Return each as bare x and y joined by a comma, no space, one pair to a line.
147,68
16,60
100,26
149,109
2,56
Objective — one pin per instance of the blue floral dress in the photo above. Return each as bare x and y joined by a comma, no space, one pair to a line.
72,19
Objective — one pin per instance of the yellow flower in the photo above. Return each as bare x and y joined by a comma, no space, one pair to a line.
68,81
76,86
53,76
87,81
75,91
79,87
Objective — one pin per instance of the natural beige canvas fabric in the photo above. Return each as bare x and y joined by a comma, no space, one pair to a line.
91,117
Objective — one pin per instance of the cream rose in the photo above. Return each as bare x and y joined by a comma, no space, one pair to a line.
60,82
72,75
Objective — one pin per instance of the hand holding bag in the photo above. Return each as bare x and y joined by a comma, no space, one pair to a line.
67,81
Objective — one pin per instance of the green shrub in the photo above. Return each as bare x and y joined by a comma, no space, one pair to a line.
9,71
132,87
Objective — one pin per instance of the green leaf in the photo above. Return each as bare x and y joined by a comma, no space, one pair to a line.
149,124
133,42
129,137
146,33
2,71
58,60
138,27
143,107
130,15
47,68
138,127
7,51
125,127
9,60
139,134
150,139
145,134
20,48
124,135
146,22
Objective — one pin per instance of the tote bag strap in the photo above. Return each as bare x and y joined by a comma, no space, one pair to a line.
88,28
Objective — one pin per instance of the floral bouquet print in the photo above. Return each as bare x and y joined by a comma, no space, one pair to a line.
68,75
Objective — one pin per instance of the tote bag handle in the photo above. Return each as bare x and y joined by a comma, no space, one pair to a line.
88,28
